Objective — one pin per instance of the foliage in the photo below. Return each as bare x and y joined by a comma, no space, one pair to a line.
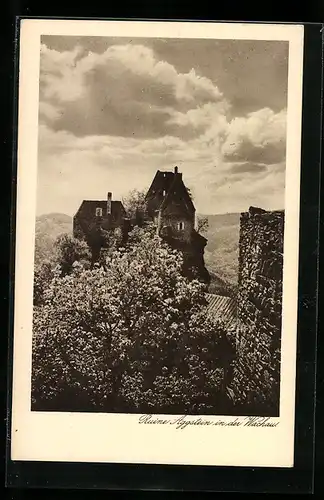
70,250
222,287
134,202
112,241
66,251
43,276
221,253
202,224
129,336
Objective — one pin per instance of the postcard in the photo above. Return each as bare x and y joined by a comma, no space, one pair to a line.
157,238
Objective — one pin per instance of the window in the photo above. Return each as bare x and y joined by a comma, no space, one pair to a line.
180,226
99,212
163,192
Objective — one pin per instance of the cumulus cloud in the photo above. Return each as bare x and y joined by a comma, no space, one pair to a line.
259,137
110,120
122,91
48,112
73,168
202,117
58,76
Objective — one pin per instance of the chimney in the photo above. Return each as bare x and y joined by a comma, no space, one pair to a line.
109,196
177,173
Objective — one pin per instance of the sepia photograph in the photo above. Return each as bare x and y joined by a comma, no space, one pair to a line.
159,227
160,224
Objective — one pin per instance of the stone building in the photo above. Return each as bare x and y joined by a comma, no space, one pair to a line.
168,205
95,218
257,372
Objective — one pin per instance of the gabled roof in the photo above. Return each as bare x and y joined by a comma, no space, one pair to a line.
171,183
176,188
117,207
162,180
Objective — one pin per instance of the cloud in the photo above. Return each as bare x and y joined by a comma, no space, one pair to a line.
59,78
235,193
202,117
247,167
256,139
233,64
48,112
108,121
72,168
122,91
260,137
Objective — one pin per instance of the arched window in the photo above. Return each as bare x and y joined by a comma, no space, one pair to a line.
180,226
163,192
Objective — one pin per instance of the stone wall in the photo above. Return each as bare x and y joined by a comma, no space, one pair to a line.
172,216
257,371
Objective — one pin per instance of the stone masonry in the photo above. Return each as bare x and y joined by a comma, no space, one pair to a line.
257,372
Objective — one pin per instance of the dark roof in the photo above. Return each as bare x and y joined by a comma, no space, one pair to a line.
170,182
117,207
177,185
162,180
222,308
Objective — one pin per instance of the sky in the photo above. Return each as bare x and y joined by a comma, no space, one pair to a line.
112,111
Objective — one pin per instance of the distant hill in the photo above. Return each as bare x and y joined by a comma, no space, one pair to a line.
221,253
48,228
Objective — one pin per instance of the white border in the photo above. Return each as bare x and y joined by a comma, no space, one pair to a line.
120,438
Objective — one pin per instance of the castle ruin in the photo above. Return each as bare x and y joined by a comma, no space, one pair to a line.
168,205
256,385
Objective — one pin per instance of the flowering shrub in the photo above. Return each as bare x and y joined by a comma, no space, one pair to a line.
128,336
66,251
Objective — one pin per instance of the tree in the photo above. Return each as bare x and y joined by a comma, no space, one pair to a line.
70,250
66,251
130,336
202,224
112,241
43,274
134,203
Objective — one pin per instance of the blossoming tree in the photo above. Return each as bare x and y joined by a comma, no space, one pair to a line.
128,336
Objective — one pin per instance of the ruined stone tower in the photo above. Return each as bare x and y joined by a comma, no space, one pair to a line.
257,372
